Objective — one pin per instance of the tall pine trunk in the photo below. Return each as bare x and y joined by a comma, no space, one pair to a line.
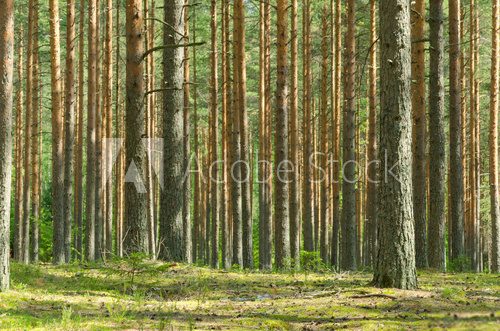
395,263
282,223
69,124
293,137
349,235
437,161
456,206
18,157
58,254
91,131
135,233
495,209
171,227
419,169
6,73
372,151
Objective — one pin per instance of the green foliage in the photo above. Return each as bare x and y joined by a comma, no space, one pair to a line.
312,262
460,264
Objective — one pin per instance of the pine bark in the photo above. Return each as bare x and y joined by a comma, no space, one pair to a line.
186,211
493,139
6,76
419,177
281,207
336,139
324,197
27,186
307,208
265,218
456,240
69,126
294,145
36,143
91,131
135,226
225,104
349,235
395,263
78,171
437,162
57,137
236,173
372,151
171,227
214,163
18,158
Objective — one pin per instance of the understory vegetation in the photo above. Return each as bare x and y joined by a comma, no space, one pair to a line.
140,294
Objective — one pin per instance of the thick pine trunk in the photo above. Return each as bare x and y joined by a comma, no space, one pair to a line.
135,225
437,159
395,263
419,177
6,73
349,235
171,227
456,206
282,223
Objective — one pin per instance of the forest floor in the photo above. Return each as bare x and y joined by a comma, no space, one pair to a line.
139,295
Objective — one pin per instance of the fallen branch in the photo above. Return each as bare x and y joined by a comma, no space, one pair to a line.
374,295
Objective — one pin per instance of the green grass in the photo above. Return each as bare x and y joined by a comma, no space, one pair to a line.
150,295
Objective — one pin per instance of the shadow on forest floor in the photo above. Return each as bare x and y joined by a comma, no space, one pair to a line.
172,297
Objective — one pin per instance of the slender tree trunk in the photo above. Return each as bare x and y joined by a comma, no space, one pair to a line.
282,224
57,137
307,212
336,139
78,171
294,146
69,123
91,131
36,142
372,152
495,209
246,197
456,206
395,263
186,212
27,187
236,173
135,233
197,208
419,132
349,237
324,139
437,162
224,194
107,145
6,73
119,198
171,227
18,156
265,226
214,163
